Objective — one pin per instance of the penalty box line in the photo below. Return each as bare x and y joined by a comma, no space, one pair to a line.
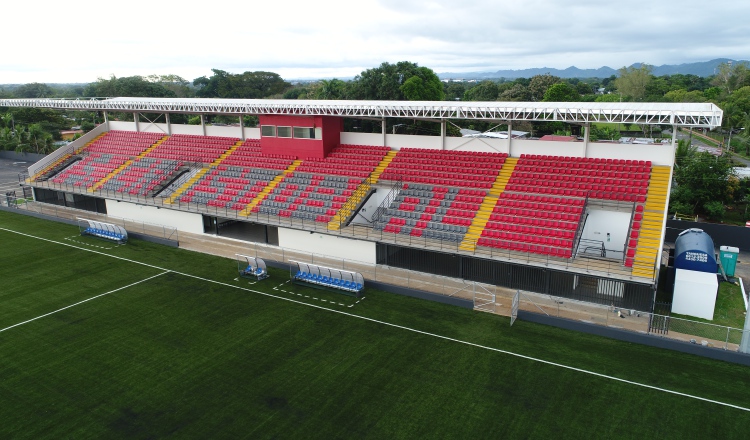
85,300
409,329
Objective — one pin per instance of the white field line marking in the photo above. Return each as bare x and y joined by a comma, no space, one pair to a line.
409,329
277,288
87,244
85,300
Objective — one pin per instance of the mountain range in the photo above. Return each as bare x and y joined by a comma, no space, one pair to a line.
704,68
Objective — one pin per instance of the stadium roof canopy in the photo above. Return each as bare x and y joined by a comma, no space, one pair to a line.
680,114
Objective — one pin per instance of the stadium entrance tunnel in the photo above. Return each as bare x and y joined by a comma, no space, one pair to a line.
580,287
239,230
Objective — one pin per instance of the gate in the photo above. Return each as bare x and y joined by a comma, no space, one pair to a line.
659,322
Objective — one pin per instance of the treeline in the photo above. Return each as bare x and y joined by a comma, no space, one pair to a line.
36,130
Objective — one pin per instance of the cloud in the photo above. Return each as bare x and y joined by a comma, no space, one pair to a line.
82,40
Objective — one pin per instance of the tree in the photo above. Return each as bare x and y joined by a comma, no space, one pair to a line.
731,77
517,93
454,90
561,92
331,89
703,180
609,97
484,91
633,81
743,137
133,86
682,95
247,85
34,90
540,83
684,152
386,82
423,86
175,83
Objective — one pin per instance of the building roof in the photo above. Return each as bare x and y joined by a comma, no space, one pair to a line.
680,114
557,138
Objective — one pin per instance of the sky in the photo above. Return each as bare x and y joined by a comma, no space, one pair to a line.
81,40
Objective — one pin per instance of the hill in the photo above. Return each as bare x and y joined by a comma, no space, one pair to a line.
704,68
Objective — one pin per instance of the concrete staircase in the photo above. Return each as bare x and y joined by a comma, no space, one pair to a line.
469,243
647,248
387,159
346,211
267,190
178,192
127,163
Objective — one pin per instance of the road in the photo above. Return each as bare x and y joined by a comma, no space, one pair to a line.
697,142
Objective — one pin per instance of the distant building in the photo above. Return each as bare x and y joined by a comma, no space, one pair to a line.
68,135
557,138
465,132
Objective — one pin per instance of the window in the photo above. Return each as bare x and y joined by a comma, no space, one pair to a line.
268,130
284,132
304,132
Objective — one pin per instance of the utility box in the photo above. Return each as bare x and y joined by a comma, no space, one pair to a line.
728,257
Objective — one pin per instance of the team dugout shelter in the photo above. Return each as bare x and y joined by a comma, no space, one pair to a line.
578,219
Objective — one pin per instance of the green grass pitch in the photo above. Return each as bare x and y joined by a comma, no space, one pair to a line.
177,356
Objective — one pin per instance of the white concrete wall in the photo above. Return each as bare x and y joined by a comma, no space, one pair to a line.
365,214
229,131
552,148
600,223
695,293
361,138
658,154
477,144
328,245
183,221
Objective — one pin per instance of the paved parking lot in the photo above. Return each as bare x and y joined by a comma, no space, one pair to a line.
9,170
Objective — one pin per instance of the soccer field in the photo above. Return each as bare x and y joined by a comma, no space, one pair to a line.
146,341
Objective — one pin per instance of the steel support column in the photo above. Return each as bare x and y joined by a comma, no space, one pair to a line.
510,135
137,122
382,129
203,124
586,129
442,134
169,124
242,129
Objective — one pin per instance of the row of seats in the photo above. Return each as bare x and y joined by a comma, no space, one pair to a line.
89,170
346,160
104,233
532,248
572,159
323,280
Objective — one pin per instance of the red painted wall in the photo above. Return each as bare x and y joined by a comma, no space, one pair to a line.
303,148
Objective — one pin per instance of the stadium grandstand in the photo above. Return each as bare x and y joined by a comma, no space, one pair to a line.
583,220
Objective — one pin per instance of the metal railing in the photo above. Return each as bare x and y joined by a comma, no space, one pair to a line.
396,186
582,265
490,298
686,330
